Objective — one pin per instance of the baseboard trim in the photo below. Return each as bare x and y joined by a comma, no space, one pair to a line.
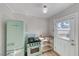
46,51
56,53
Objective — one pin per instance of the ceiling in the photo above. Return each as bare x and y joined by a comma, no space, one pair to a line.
35,9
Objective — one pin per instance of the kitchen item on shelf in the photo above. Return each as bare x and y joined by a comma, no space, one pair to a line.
31,39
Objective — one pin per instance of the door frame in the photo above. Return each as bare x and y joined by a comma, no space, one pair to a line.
75,20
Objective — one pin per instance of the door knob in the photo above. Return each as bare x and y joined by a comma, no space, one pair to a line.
72,44
72,40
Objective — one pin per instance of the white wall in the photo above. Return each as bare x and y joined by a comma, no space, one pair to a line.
32,24
51,26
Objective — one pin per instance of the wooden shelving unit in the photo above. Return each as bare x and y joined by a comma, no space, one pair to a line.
47,44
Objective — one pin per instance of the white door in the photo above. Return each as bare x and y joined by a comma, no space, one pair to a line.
65,39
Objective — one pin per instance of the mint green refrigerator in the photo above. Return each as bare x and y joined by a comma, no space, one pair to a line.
15,38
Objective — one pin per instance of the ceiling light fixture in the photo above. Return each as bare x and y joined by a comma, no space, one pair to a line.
45,9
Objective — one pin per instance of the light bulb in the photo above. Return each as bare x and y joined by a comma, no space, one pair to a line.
45,9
